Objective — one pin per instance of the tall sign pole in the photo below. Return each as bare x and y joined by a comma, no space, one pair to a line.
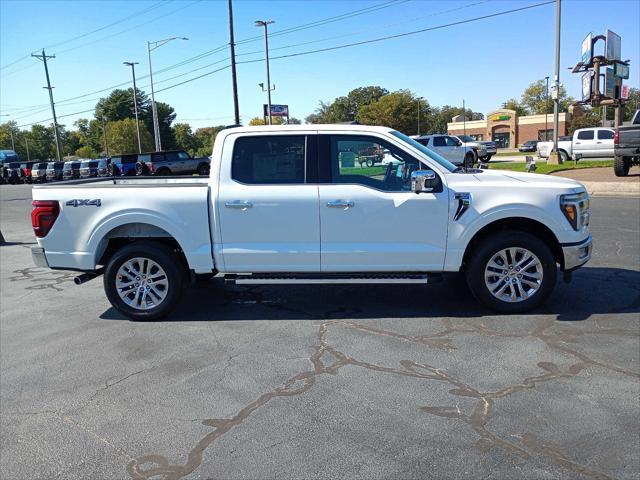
556,90
135,101
232,44
44,59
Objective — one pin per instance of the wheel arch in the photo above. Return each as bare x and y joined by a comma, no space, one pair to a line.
523,224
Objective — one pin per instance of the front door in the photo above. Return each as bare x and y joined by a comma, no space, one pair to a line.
268,207
370,221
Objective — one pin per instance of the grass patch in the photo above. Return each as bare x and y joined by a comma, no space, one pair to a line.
544,167
512,154
367,171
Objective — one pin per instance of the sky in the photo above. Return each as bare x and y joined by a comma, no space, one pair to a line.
484,62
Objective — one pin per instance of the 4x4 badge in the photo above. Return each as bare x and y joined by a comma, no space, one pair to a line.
84,203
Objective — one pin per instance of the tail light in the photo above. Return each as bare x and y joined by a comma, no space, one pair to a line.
43,216
152,167
616,137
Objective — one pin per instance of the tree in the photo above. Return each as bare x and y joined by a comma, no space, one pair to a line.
513,104
534,99
184,138
118,105
122,137
398,110
206,137
6,130
437,123
260,121
166,116
590,118
86,152
631,105
345,109
41,142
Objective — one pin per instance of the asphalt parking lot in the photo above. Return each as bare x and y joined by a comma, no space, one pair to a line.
321,382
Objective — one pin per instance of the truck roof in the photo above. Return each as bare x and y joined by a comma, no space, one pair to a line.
307,127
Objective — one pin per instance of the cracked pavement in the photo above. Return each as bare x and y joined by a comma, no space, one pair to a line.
325,381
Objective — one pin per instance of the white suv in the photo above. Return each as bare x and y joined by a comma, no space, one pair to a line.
450,148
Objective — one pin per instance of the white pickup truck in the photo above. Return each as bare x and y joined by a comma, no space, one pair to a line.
594,142
279,207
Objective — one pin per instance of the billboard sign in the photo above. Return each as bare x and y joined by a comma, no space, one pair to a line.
586,86
613,45
587,50
621,70
609,83
277,110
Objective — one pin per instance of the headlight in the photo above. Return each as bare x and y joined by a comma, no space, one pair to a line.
575,207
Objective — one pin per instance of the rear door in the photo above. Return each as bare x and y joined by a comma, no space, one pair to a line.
267,203
604,142
584,143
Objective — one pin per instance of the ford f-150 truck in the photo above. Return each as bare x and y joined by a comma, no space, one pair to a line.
627,146
280,207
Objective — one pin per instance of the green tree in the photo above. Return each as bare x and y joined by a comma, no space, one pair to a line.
345,109
42,144
206,137
513,104
631,105
86,152
398,110
590,118
437,121
123,138
185,138
534,99
118,105
260,121
166,116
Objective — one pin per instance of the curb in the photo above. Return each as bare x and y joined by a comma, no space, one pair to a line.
617,189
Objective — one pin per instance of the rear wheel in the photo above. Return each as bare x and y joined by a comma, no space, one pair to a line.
369,162
511,272
469,159
564,157
144,280
621,166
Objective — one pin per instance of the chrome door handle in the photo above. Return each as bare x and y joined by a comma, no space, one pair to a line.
240,204
598,142
340,204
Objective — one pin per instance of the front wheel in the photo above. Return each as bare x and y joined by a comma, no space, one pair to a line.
511,272
144,280
468,160
621,166
369,163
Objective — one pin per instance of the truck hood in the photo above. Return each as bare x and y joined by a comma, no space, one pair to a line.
509,179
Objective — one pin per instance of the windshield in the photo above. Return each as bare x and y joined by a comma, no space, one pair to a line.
443,162
466,138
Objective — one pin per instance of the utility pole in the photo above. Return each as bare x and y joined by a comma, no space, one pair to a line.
236,108
265,24
26,144
554,157
464,118
13,143
418,117
546,112
156,125
104,135
44,59
135,100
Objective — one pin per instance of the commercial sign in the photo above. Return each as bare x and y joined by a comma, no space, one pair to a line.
498,118
612,51
587,50
624,91
621,70
586,86
277,110
609,83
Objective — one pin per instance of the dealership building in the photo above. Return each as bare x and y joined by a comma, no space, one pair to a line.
508,129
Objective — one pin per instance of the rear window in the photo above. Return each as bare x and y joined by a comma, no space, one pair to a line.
605,135
585,135
439,142
268,160
129,158
102,163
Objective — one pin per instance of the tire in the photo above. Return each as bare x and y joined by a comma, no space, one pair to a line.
537,281
203,170
621,166
488,158
141,169
564,157
163,172
369,163
468,160
169,280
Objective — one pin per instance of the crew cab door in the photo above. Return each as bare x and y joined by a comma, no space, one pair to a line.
267,203
370,221
584,143
604,143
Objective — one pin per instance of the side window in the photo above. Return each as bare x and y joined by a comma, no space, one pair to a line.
172,156
157,157
439,142
605,135
269,160
451,142
183,155
145,157
585,135
371,162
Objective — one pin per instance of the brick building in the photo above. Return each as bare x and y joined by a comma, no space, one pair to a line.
507,129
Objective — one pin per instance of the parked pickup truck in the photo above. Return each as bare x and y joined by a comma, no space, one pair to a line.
279,208
627,146
585,142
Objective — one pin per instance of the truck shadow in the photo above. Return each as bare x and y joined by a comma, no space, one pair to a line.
594,290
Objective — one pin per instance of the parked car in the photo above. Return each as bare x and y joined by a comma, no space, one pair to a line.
122,165
627,146
103,167
277,197
529,146
7,156
12,173
478,148
54,171
88,168
172,162
450,148
26,171
585,142
71,170
39,172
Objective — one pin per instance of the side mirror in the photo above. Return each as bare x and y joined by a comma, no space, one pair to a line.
424,181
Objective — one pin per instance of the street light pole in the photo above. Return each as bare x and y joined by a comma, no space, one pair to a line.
464,117
135,101
546,112
265,23
418,117
156,125
556,101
